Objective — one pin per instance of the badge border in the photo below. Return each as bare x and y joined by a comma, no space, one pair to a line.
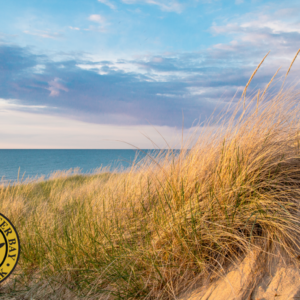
19,247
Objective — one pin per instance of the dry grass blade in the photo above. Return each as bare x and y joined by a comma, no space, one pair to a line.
257,101
288,71
269,83
245,89
292,63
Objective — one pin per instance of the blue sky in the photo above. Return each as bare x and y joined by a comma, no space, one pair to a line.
85,73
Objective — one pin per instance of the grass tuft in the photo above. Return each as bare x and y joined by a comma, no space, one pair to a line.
149,232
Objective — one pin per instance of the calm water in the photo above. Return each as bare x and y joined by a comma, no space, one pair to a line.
44,162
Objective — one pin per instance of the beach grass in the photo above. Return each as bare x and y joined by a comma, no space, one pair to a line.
158,228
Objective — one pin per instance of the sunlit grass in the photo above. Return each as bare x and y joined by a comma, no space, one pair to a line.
151,231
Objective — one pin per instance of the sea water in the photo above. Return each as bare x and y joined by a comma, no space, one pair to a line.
29,163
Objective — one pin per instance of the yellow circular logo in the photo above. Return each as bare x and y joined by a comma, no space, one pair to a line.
9,247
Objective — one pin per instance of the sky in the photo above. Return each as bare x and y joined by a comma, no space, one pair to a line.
110,74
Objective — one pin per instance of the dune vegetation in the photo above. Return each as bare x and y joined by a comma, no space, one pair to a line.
169,221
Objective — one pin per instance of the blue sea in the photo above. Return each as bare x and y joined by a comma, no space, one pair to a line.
35,163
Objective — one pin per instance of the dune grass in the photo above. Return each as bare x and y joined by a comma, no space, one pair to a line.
154,230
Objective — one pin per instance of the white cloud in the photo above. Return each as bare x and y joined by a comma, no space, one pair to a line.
171,6
275,26
115,65
43,34
97,67
262,30
12,104
164,5
197,90
39,69
97,18
239,2
25,130
259,32
256,22
74,28
108,3
55,87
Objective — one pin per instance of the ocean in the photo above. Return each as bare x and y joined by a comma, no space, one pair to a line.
36,163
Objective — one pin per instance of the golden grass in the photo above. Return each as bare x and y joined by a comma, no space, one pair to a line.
153,231
250,79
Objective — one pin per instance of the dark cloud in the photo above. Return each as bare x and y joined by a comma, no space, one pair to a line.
116,97
157,90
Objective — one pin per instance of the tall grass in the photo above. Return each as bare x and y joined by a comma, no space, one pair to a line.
151,232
